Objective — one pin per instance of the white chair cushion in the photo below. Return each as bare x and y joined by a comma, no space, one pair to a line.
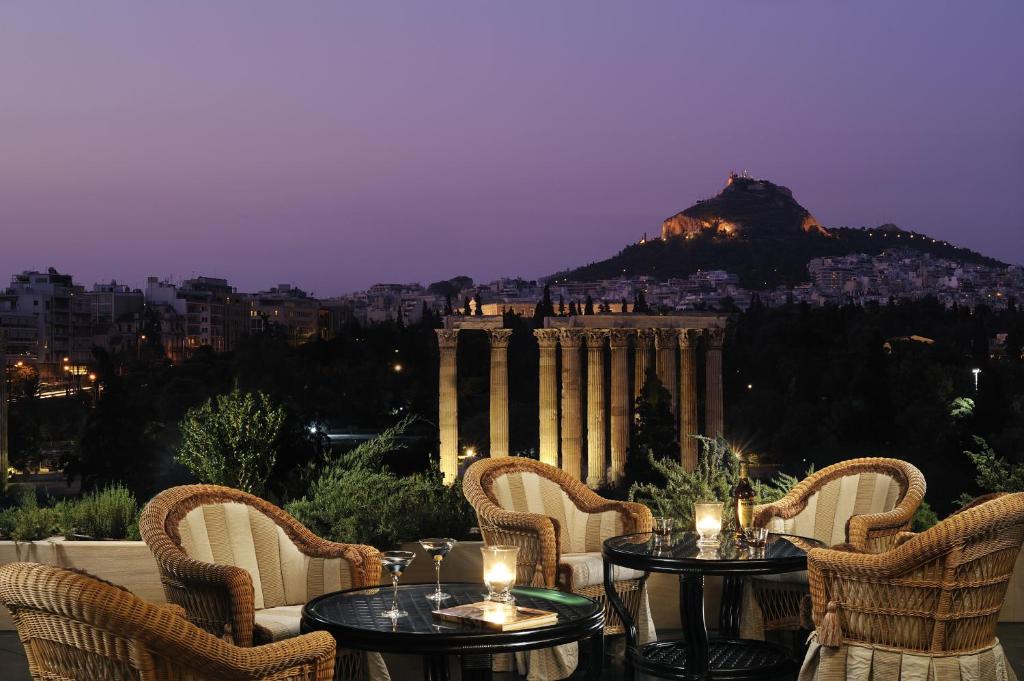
580,570
240,535
282,622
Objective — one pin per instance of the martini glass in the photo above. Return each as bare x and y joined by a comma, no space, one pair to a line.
437,548
395,562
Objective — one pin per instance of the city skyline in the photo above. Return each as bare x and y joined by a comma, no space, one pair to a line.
372,144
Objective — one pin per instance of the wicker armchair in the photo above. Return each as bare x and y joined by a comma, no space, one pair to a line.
927,608
77,628
558,523
241,566
863,502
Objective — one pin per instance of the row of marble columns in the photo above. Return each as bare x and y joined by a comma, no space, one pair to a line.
657,348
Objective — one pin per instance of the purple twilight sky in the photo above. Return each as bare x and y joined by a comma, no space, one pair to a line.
335,145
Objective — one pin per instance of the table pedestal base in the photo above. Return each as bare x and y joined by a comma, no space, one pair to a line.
728,659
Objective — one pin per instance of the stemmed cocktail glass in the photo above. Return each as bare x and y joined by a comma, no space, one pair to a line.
438,548
395,562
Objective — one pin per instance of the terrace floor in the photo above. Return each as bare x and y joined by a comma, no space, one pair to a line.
14,668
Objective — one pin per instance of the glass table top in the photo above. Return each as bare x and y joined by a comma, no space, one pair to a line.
362,608
681,550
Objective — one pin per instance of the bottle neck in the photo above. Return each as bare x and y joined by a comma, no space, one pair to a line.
743,470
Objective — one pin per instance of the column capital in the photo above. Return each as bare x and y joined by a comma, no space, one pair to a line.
547,338
499,337
715,337
666,338
644,338
595,338
688,338
447,339
570,338
619,338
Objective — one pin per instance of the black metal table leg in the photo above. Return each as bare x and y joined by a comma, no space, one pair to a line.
729,611
595,657
476,668
691,602
435,668
620,608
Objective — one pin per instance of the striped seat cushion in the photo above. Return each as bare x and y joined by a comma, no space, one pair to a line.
282,621
238,534
579,532
830,509
580,570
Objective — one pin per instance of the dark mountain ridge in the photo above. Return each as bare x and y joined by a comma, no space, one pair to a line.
757,230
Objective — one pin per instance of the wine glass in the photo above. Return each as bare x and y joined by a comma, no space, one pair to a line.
437,548
395,562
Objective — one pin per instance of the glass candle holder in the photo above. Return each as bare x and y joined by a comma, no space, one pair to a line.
708,519
500,572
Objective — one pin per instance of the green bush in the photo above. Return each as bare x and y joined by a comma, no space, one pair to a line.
712,480
28,521
779,486
232,440
358,499
111,513
924,518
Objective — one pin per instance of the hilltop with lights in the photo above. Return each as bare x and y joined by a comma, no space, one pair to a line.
757,230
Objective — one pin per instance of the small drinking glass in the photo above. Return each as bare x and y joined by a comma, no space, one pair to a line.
395,562
437,548
756,536
663,527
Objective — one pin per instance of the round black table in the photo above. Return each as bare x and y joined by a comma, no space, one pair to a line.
695,656
354,618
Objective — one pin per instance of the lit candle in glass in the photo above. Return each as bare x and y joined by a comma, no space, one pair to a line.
500,572
708,519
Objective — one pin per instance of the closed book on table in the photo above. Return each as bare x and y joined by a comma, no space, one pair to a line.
497,616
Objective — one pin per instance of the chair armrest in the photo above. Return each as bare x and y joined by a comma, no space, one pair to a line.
213,596
313,652
364,561
876,531
536,536
635,517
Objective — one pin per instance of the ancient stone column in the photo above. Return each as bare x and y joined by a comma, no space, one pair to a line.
643,360
688,426
547,339
499,390
666,342
595,407
448,404
572,411
714,412
619,339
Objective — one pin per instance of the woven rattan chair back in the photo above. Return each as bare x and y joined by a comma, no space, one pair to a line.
939,591
865,502
78,628
223,554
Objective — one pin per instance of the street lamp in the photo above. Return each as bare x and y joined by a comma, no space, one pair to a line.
975,371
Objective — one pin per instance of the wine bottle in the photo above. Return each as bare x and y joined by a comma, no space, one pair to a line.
743,498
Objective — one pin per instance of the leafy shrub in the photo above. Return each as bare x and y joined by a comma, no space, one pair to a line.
779,486
712,480
358,499
995,473
28,521
108,514
111,513
232,440
924,518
